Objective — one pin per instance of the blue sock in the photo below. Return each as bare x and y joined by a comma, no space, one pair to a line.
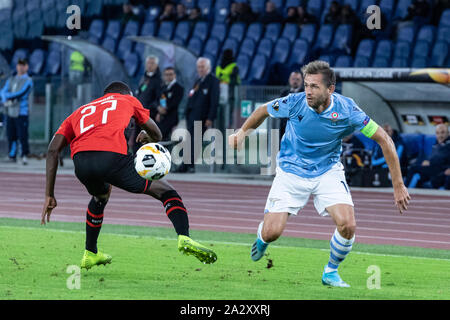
339,248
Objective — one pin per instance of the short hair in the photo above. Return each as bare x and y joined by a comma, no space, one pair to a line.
169,68
323,68
153,57
206,60
22,61
117,87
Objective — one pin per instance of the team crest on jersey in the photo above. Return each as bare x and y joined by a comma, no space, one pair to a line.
334,115
276,106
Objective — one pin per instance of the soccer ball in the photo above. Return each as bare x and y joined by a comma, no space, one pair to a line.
152,161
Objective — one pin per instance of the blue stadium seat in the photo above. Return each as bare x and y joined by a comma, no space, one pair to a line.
273,31
364,4
139,48
94,8
96,28
314,8
109,44
37,61
308,32
189,4
231,43
445,19
293,3
183,31
20,27
149,28
153,13
201,30
328,58
421,49
256,72
354,4
48,6
93,40
221,10
387,8
131,63
35,24
257,6
361,62
18,54
219,31
290,31
281,51
237,31
402,9
366,48
113,29
166,29
125,46
406,34
402,50
299,54
400,63
279,4
212,59
7,38
255,31
61,12
380,62
324,36
343,61
131,28
265,47
195,45
439,54
442,34
419,62
206,8
248,47
212,47
327,4
427,33
384,49
53,63
243,62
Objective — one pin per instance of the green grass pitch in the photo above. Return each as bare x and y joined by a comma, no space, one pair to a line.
35,260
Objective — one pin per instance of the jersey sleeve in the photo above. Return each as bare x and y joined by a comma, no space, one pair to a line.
66,129
359,120
141,114
281,107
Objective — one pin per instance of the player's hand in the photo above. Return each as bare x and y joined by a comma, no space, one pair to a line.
401,197
235,140
143,137
50,204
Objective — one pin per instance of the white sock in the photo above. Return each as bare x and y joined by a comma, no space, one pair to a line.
259,233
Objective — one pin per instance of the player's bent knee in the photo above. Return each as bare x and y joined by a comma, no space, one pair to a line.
271,233
348,230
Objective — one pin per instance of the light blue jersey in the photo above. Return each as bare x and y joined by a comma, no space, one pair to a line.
312,142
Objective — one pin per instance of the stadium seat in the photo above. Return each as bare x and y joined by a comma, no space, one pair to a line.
308,32
257,6
387,8
61,13
131,28
109,44
256,72
328,58
35,24
195,45
400,63
243,62
113,29
314,8
183,31
153,13
293,3
402,9
221,10
212,47
231,43
94,8
18,54
189,4
442,34
299,54
361,62
255,31
354,4
380,62
37,61
149,28
219,31
343,61
281,51
421,49
324,37
279,4
402,50
96,29
125,46
20,27
439,54
53,63
290,31
427,33
131,63
139,48
265,47
445,19
366,48
419,62
49,7
206,8
237,31
201,30
273,31
384,49
406,34
166,29
248,47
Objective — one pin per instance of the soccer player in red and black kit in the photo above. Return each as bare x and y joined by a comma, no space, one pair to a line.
95,132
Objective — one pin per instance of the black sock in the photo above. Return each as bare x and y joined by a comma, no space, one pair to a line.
176,212
94,220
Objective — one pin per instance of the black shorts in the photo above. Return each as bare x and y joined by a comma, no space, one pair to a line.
98,169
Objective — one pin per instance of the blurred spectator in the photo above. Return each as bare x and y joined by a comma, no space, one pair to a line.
130,12
172,94
333,14
348,16
377,155
435,169
304,17
233,16
168,13
203,100
195,15
181,13
291,15
16,96
295,86
418,8
271,14
240,12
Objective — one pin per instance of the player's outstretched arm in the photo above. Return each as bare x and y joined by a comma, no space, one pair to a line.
56,145
401,194
152,130
254,121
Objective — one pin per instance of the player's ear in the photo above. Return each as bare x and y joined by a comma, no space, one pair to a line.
331,89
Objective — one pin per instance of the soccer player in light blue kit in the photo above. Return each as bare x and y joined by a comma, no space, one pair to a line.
309,162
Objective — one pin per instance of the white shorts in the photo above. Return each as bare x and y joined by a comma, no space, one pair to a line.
290,193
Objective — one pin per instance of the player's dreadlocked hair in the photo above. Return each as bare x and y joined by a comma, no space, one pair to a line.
117,87
323,68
